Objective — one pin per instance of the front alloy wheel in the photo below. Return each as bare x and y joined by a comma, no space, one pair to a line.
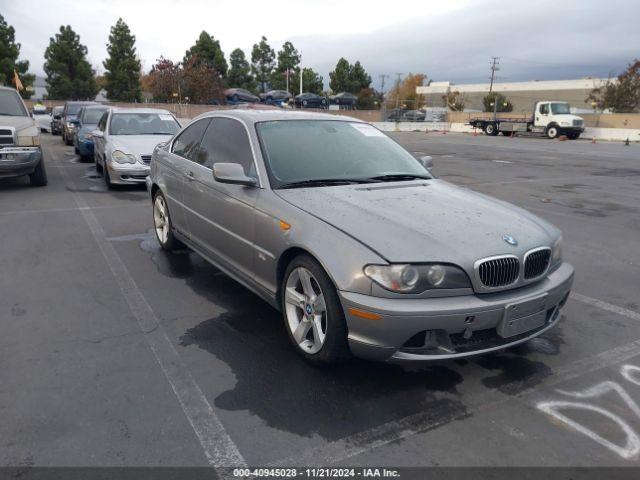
305,310
313,315
552,132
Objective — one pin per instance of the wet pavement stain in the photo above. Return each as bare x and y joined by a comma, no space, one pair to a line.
516,373
275,384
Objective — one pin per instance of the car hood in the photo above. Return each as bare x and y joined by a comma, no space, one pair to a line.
422,221
19,123
137,144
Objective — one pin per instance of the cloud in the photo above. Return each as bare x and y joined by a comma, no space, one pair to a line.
453,40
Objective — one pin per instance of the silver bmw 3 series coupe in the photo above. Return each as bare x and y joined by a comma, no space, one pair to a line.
360,247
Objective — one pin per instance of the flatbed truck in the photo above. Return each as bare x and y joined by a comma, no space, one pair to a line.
549,118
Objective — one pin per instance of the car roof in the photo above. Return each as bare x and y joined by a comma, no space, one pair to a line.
81,102
139,110
96,107
7,88
250,115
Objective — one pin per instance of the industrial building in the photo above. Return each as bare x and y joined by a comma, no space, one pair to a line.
521,94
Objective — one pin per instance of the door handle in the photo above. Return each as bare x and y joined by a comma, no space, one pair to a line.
190,176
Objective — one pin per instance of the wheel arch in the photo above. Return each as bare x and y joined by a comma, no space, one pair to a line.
283,262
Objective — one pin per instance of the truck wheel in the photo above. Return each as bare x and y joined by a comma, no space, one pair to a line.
39,176
491,129
552,131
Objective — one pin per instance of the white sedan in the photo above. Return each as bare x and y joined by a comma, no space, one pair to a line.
125,139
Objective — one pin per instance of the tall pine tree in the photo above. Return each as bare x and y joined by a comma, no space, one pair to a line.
288,59
239,74
69,74
207,50
262,62
122,75
9,52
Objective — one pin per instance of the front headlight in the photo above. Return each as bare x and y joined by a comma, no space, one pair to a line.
556,252
417,278
121,157
28,140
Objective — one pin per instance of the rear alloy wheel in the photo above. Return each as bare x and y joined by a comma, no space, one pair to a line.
491,129
162,224
313,316
552,132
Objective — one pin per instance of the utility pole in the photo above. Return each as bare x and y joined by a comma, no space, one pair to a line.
398,90
494,68
382,78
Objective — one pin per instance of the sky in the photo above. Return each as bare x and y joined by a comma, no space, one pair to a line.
446,40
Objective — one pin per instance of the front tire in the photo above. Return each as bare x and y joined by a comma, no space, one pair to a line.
553,132
162,224
312,312
39,176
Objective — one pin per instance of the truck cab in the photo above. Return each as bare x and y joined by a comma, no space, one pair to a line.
20,152
555,119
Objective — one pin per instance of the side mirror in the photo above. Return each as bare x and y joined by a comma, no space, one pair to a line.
232,173
427,162
97,133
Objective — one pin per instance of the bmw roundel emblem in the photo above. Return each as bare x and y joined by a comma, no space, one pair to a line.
510,240
309,310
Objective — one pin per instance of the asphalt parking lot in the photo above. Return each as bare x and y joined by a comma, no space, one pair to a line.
116,353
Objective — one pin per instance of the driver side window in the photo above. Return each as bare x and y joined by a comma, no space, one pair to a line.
544,109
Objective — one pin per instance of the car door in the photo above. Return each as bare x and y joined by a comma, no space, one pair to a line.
98,141
542,115
176,163
220,216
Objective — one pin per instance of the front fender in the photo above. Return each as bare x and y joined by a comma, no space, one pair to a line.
342,256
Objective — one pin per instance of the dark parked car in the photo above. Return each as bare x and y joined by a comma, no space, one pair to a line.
395,115
88,119
274,96
310,100
415,116
344,98
237,95
70,119
56,120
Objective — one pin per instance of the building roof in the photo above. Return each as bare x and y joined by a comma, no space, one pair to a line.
535,85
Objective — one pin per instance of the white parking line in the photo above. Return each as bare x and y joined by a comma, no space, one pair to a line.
362,442
218,447
72,209
606,306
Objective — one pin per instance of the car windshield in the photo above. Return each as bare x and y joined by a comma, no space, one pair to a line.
92,116
560,108
308,150
11,105
143,124
74,108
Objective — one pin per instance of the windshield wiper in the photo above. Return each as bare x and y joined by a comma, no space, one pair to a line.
320,182
393,177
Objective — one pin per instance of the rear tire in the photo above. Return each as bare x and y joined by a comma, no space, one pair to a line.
162,224
313,316
39,176
491,129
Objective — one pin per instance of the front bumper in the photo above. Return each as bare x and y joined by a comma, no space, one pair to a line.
397,336
18,161
85,147
127,174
